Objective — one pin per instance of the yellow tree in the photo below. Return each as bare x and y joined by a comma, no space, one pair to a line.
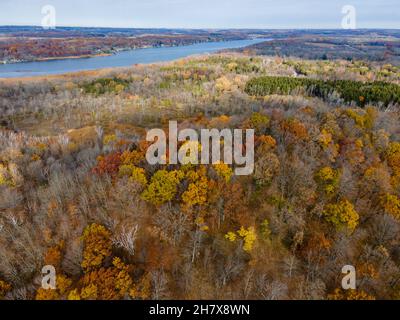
340,294
97,246
342,215
105,283
4,288
391,205
223,171
63,284
163,186
393,157
328,180
248,236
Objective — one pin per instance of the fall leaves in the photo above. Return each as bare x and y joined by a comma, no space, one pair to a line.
328,180
163,186
198,188
102,280
325,192
97,246
4,288
245,215
341,215
105,283
391,205
248,236
393,157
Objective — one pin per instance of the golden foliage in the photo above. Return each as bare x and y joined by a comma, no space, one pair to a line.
4,176
139,175
134,173
4,288
142,290
363,118
295,128
367,270
62,285
391,205
259,122
74,295
53,255
247,235
47,294
163,186
342,215
328,180
109,139
393,157
131,157
325,138
97,246
190,150
223,84
196,194
106,283
223,171
231,236
340,294
266,143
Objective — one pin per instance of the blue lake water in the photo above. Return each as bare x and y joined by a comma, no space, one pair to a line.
120,59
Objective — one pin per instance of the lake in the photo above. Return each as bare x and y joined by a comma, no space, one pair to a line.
120,59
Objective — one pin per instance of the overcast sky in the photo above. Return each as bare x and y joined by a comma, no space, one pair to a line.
203,13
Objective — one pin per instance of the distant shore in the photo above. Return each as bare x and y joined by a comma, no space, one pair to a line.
154,55
94,55
85,56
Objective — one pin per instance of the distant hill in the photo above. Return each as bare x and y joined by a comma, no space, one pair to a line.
371,45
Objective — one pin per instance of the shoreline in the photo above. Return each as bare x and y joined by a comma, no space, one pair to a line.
87,56
86,72
95,55
96,72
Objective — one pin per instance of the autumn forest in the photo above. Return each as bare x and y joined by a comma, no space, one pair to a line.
77,193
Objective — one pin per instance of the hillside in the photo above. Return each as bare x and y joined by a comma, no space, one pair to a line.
372,45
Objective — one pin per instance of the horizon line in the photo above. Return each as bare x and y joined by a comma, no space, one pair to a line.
198,28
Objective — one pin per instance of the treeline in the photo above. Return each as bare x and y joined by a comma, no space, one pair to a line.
350,91
105,85
332,47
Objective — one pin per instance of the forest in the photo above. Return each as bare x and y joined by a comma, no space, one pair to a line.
362,93
367,45
77,193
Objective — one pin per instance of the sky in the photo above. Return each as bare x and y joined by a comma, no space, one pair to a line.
269,14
